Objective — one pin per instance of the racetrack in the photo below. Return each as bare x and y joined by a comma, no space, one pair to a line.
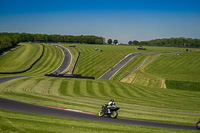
118,66
36,109
66,61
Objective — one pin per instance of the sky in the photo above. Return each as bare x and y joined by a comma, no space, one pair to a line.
124,20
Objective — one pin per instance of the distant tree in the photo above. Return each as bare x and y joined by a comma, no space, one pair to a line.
109,41
99,41
115,41
5,42
135,42
121,44
130,43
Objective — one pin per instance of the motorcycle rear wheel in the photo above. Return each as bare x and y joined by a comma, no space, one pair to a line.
198,125
114,114
101,114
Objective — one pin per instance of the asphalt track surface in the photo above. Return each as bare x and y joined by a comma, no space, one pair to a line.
122,63
67,59
118,66
17,106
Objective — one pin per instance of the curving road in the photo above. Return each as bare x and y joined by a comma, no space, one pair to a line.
118,66
42,110
66,61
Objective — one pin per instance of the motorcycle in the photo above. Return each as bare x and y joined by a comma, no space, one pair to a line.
198,125
113,112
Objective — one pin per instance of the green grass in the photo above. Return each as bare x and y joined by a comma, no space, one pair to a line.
12,122
50,61
144,99
183,85
95,63
140,77
181,67
21,58
136,102
129,66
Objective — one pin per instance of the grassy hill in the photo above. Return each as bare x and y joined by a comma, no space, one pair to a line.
181,71
144,95
23,57
181,66
173,71
136,102
95,63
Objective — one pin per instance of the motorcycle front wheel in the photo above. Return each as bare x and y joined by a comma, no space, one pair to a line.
198,125
114,114
101,114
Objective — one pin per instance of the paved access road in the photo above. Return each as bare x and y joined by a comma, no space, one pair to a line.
118,66
124,61
4,79
42,110
67,59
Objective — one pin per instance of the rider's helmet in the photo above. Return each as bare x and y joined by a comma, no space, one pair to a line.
112,100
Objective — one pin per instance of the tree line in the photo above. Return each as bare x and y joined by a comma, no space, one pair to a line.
110,41
169,42
8,40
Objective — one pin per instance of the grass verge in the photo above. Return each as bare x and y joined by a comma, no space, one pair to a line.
12,122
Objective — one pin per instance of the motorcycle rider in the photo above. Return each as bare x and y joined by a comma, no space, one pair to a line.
110,105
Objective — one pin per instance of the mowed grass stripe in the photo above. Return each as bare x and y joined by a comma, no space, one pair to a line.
76,88
149,93
139,92
57,60
96,89
116,89
9,87
25,85
125,90
31,85
63,88
42,87
140,104
83,88
182,67
48,57
88,64
21,58
89,87
111,90
95,63
102,89
54,87
50,61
